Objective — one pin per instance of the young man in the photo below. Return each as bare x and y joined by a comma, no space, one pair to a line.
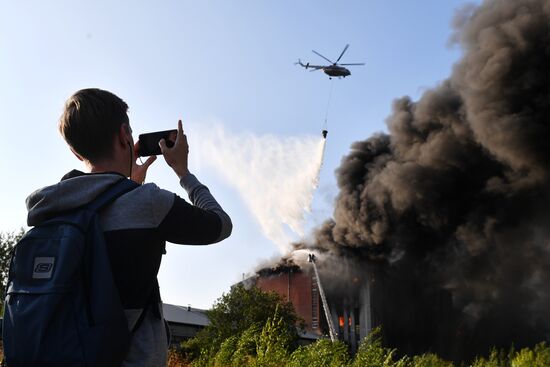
95,125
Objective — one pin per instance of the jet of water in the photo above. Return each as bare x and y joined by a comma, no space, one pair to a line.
275,175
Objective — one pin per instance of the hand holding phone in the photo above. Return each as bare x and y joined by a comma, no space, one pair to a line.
176,157
149,143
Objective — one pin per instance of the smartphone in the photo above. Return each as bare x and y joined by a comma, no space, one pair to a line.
149,143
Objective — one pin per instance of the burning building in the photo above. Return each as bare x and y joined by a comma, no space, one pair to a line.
350,313
356,303
444,219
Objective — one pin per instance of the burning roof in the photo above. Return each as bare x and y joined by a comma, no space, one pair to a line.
285,265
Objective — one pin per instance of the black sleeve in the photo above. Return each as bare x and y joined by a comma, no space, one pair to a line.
190,225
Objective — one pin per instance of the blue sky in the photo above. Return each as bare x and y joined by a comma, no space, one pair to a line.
228,62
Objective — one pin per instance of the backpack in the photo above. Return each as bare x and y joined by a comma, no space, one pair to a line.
62,307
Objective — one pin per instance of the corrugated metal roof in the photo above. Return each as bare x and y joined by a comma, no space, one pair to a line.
185,315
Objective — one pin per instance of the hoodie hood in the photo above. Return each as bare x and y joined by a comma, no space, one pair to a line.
74,190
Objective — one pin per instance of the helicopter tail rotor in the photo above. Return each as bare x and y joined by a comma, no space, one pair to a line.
299,62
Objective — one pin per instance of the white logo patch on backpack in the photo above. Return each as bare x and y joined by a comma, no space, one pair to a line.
43,267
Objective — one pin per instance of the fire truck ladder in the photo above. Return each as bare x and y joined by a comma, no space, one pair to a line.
311,259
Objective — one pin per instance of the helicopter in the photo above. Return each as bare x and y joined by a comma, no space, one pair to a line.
334,70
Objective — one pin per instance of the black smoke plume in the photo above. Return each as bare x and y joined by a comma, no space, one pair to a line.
453,205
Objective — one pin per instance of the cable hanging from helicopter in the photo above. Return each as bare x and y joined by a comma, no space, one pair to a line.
325,123
333,70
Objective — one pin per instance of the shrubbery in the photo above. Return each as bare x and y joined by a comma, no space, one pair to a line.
256,329
539,356
322,353
248,327
256,349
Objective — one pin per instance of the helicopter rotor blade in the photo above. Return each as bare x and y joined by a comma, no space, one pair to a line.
361,63
317,53
342,54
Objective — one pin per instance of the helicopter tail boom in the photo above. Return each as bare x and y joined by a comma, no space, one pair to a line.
299,62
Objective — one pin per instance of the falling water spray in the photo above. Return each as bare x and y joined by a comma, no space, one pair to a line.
275,175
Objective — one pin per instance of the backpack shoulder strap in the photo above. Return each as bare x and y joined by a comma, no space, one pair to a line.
111,194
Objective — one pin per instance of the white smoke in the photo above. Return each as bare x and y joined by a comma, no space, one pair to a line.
275,175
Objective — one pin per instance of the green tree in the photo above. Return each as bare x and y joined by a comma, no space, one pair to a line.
237,311
7,242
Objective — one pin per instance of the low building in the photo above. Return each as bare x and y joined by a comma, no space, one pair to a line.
184,321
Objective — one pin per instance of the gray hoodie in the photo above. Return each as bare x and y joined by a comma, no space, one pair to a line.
136,227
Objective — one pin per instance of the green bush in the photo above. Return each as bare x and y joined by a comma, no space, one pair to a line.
236,312
322,353
371,352
430,360
245,353
266,346
275,340
539,356
225,354
203,359
497,358
256,329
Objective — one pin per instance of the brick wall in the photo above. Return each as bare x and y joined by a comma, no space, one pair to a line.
298,288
